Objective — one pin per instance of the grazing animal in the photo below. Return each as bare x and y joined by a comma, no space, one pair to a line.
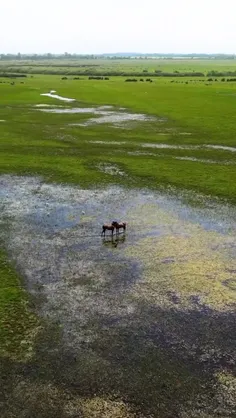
107,228
119,226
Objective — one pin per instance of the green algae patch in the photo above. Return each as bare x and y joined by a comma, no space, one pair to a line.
18,325
194,264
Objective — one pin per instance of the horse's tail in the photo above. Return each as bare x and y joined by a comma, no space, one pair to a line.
103,231
124,226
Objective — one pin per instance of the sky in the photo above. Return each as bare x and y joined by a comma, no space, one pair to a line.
99,26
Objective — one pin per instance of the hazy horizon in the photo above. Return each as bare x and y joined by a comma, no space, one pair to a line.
99,28
127,53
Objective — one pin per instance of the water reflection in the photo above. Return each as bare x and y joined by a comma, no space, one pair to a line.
114,241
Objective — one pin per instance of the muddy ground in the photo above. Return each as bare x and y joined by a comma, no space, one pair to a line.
139,326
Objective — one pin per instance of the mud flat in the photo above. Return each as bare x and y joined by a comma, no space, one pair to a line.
140,326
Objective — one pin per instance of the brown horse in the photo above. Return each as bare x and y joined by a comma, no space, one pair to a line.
107,228
119,226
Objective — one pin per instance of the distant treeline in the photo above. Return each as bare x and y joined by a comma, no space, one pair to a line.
12,75
112,56
98,78
92,73
221,73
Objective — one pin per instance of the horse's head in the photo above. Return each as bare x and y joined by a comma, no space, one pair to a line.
114,223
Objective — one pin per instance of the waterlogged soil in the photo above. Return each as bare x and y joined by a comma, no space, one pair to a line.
111,169
142,325
188,147
103,114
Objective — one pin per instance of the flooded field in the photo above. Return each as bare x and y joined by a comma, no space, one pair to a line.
103,114
142,325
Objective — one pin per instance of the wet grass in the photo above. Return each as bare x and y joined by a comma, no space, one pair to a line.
18,325
35,142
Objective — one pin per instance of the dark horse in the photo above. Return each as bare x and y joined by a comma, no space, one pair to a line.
107,228
119,226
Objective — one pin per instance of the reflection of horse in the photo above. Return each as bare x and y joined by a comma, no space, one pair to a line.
113,242
119,226
107,228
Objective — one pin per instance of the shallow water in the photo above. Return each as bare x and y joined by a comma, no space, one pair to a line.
108,142
162,294
47,105
104,114
168,146
112,169
221,147
117,118
52,218
188,147
73,110
206,161
56,96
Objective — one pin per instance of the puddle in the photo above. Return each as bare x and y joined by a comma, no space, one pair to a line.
193,159
221,147
103,114
118,118
185,133
108,142
108,107
149,312
144,153
55,96
206,161
74,110
111,169
168,146
187,147
47,105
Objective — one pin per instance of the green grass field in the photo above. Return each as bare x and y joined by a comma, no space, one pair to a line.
194,115
173,149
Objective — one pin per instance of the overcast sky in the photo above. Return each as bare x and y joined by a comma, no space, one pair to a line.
97,26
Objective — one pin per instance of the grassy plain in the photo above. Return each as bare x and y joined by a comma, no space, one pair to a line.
194,114
187,114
